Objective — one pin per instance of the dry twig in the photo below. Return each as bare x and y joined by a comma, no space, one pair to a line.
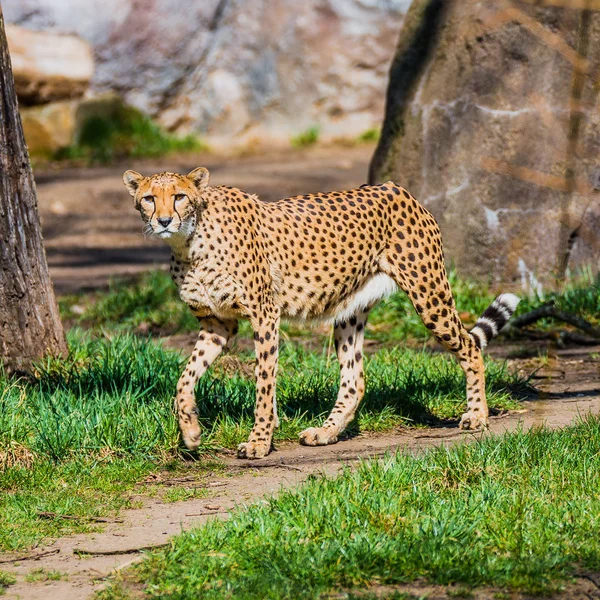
30,556
82,552
53,515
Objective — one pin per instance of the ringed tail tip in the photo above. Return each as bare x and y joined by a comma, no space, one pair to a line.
493,319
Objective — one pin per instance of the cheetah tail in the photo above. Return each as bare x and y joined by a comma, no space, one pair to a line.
494,318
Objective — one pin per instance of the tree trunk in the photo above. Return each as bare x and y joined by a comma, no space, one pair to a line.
30,325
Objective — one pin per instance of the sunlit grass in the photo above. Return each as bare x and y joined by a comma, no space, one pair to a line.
118,131
116,394
6,579
151,304
76,438
307,138
580,296
81,488
519,512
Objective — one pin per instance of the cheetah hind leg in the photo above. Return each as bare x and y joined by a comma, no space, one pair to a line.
493,319
348,336
436,308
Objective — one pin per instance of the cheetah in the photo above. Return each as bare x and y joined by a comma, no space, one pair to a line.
327,256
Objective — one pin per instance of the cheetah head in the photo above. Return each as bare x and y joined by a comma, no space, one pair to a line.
168,202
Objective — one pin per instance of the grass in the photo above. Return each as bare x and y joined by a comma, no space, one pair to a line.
518,512
6,579
307,138
81,488
122,131
580,296
370,135
75,440
114,396
151,305
41,574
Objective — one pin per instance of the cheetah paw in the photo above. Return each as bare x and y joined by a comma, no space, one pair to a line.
191,435
253,449
472,422
317,436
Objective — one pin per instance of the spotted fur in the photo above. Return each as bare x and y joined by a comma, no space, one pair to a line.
320,256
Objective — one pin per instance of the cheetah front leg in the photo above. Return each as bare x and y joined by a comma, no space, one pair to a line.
266,344
213,337
349,337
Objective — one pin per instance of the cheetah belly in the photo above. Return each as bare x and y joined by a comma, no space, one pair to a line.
374,289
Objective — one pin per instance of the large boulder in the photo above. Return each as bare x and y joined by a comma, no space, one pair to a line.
481,127
249,70
48,67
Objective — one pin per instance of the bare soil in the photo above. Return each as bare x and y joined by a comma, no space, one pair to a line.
92,233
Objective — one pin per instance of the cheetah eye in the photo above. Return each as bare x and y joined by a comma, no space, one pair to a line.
180,197
148,199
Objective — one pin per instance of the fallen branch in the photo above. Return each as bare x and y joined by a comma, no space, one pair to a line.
53,515
82,552
183,482
30,556
292,467
550,311
207,512
576,338
268,465
590,578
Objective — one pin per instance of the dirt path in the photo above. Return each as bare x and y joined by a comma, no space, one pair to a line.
92,232
569,384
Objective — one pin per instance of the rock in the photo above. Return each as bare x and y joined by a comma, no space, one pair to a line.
49,128
236,71
57,125
48,67
478,127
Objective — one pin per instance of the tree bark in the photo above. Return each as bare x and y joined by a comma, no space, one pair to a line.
30,325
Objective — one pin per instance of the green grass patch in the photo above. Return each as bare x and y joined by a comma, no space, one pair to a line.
307,138
76,439
34,497
579,296
370,135
41,574
118,131
151,304
114,396
517,512
6,579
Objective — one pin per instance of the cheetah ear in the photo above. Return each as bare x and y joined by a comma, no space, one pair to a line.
132,180
200,177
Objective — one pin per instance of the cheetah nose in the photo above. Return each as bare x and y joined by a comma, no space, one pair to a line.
165,221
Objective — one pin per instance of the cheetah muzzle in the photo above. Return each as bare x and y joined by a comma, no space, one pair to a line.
327,256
